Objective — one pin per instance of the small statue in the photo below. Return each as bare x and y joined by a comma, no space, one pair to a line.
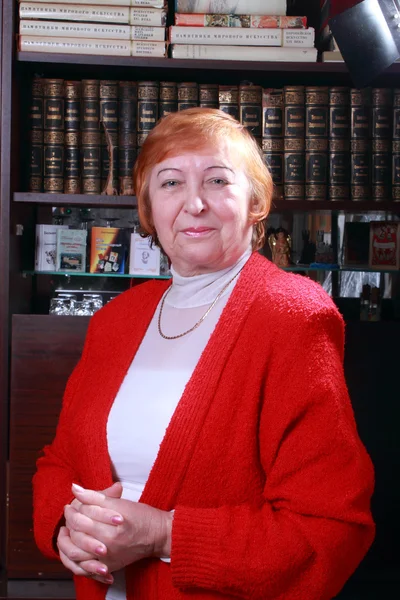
280,243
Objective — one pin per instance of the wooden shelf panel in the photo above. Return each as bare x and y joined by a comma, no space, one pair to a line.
76,200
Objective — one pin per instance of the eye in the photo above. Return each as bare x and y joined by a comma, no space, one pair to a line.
170,183
218,181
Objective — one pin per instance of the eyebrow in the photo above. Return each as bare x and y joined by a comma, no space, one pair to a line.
207,169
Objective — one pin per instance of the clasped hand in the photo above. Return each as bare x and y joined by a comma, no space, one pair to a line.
103,533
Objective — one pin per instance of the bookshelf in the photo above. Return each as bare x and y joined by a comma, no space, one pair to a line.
20,289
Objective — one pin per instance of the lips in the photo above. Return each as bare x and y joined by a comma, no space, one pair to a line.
196,230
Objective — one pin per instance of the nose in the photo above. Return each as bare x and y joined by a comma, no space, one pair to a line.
195,202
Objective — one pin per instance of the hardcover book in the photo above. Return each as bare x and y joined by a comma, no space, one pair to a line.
256,53
238,7
248,21
72,173
94,14
107,250
225,35
36,137
71,250
53,135
339,143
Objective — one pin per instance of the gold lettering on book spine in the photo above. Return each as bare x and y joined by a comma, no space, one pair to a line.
90,88
168,90
148,90
72,90
208,93
188,91
54,137
53,88
272,145
318,144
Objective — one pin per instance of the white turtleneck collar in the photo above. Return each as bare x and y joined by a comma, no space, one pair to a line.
200,290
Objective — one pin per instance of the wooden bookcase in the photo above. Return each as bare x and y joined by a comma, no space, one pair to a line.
23,331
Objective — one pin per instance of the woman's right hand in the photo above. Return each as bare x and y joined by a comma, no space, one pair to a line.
76,548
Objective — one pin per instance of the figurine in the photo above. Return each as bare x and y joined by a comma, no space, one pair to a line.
280,243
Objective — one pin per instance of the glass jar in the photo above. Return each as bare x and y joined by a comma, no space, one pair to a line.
63,304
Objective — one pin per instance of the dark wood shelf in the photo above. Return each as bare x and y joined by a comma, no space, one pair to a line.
131,202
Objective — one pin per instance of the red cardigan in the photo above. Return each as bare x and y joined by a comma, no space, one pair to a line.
261,461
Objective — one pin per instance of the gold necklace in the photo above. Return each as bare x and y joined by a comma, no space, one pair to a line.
199,322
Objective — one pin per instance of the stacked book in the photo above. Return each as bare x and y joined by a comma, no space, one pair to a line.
132,28
257,30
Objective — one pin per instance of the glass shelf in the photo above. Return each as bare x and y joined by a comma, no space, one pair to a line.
110,275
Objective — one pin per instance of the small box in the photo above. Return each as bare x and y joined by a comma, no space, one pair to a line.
356,243
71,250
107,251
144,259
46,246
384,249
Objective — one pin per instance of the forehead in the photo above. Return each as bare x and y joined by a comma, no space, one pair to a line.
219,153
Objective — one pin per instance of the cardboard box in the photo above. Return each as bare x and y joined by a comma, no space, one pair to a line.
384,249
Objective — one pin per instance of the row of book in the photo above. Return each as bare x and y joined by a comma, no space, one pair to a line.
111,251
140,30
320,143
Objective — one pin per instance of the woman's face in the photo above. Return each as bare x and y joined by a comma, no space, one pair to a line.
200,203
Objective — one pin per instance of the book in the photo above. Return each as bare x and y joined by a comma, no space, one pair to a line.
272,135
248,21
317,129
109,136
71,250
294,142
72,136
147,109
250,109
396,146
250,53
168,98
46,246
225,35
384,249
36,136
133,3
188,95
239,7
65,45
53,135
382,115
228,100
298,38
208,95
90,131
72,29
360,131
93,13
107,250
127,137
339,143
144,259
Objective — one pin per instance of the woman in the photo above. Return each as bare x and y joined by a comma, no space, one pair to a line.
243,453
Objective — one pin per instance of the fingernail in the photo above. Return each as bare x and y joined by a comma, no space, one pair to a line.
78,488
109,580
117,520
100,550
102,570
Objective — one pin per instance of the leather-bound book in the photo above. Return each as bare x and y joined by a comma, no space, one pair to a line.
90,128
381,160
339,144
272,135
168,101
109,137
294,143
127,136
53,100
35,183
147,116
250,109
317,128
188,95
360,159
228,99
396,146
208,95
72,120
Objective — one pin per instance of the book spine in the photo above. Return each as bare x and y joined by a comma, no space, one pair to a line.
272,135
109,137
72,120
339,144
251,7
298,38
294,143
153,17
248,21
66,29
81,2
90,128
208,95
225,35
74,12
256,53
250,109
53,101
147,116
188,95
168,102
146,48
317,129
33,43
153,34
228,100
127,136
382,114
360,167
35,183
396,146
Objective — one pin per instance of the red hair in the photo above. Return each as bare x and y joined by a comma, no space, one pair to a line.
187,131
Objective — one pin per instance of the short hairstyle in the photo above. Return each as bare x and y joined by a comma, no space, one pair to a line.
187,131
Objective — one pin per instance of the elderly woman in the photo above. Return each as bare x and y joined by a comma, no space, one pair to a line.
241,471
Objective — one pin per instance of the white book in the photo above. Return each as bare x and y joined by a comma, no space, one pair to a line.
259,53
141,3
64,45
148,48
91,30
143,258
298,38
225,35
46,246
154,17
233,7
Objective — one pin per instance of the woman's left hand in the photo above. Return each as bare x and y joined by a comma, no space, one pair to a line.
144,532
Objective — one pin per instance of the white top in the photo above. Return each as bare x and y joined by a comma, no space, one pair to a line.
157,378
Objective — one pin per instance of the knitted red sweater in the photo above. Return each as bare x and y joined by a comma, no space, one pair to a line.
261,461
